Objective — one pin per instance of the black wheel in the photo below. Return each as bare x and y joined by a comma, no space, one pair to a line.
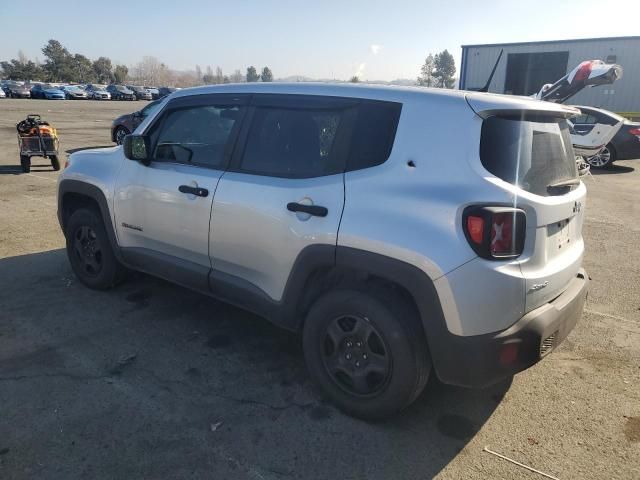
370,357
89,251
604,159
25,163
121,132
55,163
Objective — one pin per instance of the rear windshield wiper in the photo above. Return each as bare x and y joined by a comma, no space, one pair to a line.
565,183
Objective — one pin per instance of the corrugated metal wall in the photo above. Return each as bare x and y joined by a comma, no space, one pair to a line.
622,96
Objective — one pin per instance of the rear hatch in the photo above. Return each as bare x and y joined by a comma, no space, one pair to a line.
528,146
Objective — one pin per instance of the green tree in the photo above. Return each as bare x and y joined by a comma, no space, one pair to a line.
266,75
426,78
82,69
120,73
444,69
17,70
355,79
58,65
103,70
252,74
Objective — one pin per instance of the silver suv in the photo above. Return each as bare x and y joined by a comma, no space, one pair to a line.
402,231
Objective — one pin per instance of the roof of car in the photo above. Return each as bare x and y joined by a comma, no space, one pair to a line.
482,101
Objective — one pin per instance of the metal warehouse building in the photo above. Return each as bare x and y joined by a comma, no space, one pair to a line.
525,67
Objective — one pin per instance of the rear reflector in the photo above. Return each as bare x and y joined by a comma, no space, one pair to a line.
509,354
475,227
634,131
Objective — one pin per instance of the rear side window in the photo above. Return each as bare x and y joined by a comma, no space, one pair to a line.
373,135
297,143
532,155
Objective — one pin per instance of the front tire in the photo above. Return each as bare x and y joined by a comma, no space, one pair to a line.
370,357
604,159
89,251
121,132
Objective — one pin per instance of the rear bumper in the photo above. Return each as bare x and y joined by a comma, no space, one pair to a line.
480,360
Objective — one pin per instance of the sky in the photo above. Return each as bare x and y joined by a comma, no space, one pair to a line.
376,40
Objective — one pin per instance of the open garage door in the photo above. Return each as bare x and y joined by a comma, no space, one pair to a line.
528,72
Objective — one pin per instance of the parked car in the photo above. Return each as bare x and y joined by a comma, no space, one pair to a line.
74,92
164,91
141,93
97,92
2,94
17,90
327,210
120,92
155,95
125,124
47,91
624,145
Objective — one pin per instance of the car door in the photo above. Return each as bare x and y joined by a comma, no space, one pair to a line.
283,192
163,209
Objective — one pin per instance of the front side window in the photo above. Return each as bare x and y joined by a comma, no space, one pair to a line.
196,135
296,143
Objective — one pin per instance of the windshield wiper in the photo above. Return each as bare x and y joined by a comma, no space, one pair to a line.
565,183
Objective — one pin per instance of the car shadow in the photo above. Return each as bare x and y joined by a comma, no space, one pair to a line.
151,363
74,150
613,169
17,169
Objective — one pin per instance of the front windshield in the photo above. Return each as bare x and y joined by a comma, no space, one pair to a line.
137,89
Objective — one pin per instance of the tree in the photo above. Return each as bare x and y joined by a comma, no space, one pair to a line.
82,69
120,73
236,77
15,70
219,77
151,72
103,70
58,63
355,79
208,77
426,78
267,75
198,74
252,74
444,69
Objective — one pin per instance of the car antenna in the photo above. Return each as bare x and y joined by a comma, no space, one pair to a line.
486,87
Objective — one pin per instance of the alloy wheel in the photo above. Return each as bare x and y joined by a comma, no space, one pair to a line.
601,159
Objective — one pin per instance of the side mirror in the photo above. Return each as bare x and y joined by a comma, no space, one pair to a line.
136,147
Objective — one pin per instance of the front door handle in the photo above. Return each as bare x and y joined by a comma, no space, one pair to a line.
199,192
315,210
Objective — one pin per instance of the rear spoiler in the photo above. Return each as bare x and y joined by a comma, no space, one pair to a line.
490,105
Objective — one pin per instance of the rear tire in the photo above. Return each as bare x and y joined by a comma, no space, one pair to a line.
604,159
371,358
55,163
25,163
89,251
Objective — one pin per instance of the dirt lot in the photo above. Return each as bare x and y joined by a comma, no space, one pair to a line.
150,380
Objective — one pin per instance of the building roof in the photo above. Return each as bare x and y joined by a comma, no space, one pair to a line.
552,41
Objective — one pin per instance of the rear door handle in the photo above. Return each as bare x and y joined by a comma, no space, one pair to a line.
315,210
200,192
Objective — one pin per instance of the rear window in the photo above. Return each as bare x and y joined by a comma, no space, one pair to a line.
532,155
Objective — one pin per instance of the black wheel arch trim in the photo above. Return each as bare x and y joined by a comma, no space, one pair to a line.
93,192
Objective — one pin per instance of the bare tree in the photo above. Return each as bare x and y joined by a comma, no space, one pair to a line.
219,77
22,58
150,71
236,77
198,75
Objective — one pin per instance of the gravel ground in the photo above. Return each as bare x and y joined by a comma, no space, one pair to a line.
150,380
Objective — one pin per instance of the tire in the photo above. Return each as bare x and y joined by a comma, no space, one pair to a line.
89,251
370,357
25,163
119,134
55,163
604,159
